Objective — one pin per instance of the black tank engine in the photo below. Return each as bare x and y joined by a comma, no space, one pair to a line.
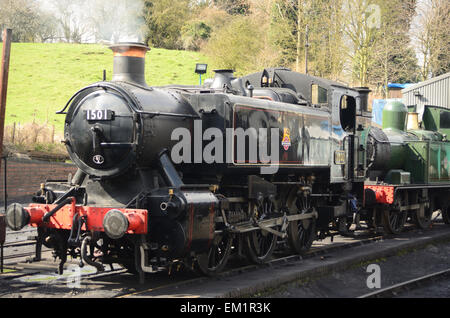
182,174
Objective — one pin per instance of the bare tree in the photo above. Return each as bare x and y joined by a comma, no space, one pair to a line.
309,35
71,15
47,28
326,39
362,28
431,37
288,29
25,18
394,59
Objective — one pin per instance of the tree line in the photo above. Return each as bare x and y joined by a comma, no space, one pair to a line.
73,21
361,42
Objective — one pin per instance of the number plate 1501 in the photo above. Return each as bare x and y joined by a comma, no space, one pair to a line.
101,115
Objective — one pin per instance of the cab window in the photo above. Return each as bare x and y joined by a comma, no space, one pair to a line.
445,120
319,95
348,113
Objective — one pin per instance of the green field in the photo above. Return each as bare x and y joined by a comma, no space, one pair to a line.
43,77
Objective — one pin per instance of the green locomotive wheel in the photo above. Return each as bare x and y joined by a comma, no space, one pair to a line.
394,219
423,217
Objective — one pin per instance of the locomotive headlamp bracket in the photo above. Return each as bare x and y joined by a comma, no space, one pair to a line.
201,68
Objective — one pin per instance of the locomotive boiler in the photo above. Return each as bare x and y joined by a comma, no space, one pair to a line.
186,175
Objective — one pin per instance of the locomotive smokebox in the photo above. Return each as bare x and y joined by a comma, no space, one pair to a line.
129,62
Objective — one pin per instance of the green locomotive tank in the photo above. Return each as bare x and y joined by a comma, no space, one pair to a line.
430,154
416,156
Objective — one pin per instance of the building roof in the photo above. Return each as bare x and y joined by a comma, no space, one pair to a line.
398,85
427,82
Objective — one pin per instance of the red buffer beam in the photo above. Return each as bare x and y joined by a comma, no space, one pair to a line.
116,222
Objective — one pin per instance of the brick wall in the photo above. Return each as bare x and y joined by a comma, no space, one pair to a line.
24,177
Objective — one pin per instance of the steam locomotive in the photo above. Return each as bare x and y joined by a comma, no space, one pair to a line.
189,174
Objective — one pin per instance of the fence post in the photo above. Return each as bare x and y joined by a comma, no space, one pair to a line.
4,74
5,183
2,238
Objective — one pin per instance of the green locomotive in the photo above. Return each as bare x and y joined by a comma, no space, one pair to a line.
409,168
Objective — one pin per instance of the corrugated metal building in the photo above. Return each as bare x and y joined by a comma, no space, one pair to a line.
435,92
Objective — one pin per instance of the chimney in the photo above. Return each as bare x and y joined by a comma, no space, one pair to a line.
221,78
129,62
364,93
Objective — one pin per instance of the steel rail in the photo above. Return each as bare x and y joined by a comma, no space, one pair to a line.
393,290
252,267
279,260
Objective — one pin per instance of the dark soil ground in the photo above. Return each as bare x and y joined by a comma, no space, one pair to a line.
404,266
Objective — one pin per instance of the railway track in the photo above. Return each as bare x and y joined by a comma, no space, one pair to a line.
13,256
279,259
20,245
34,274
30,274
397,289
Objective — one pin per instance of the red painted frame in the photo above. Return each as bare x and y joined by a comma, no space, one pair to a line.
62,220
384,194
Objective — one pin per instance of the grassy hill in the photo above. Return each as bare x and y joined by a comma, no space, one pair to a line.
43,77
